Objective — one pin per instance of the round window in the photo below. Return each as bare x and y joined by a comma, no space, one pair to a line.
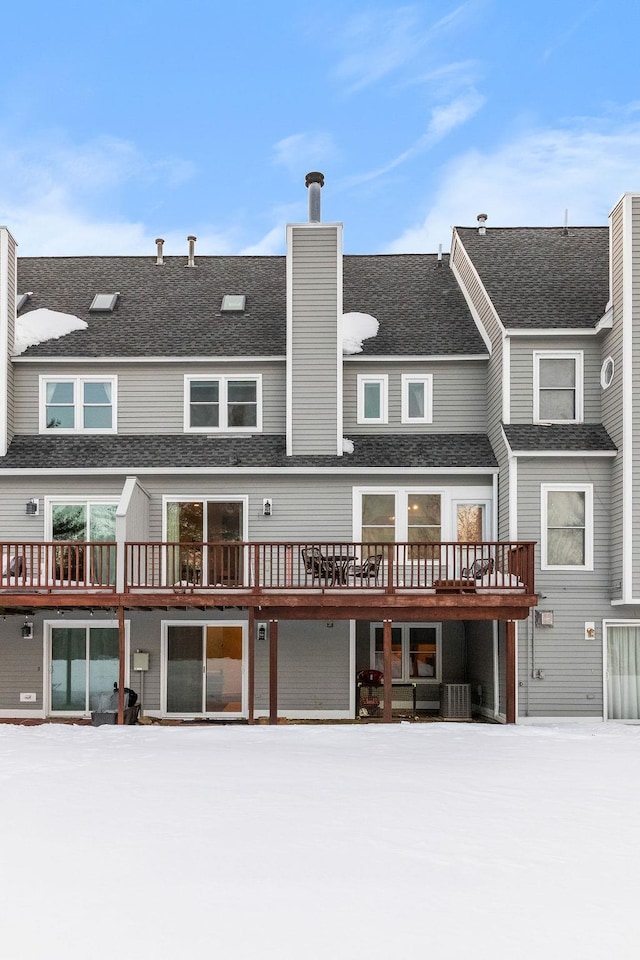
606,373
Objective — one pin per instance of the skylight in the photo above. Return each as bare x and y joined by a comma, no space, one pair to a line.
233,302
21,299
104,302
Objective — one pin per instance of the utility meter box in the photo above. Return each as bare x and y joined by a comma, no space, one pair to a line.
140,660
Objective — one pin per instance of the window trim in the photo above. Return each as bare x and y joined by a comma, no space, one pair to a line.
578,357
223,379
78,403
405,626
427,381
587,489
383,381
87,624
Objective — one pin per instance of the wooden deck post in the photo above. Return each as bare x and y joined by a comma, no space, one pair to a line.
121,656
251,664
511,670
386,656
273,671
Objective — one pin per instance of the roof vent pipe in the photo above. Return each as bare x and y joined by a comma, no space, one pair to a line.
439,254
192,251
565,229
482,219
314,181
159,245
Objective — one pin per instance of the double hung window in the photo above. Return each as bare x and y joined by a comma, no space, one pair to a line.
567,526
78,404
223,403
557,387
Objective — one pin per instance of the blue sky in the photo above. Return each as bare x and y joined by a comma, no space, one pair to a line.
124,121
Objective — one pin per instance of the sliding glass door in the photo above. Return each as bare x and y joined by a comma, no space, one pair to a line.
207,531
204,669
623,672
83,667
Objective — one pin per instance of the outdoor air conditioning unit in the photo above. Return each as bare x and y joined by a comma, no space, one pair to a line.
455,701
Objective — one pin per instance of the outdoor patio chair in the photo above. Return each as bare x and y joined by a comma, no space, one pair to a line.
315,563
369,569
478,569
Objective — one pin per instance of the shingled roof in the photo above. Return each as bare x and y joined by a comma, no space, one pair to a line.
135,452
171,310
538,278
559,437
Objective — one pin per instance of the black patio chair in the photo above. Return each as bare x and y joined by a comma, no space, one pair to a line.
478,569
369,569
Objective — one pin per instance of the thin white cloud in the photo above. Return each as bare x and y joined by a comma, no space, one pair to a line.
531,180
444,119
377,44
304,151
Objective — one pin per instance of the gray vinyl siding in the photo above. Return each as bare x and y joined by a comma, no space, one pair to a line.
482,308
313,667
634,319
522,365
571,682
314,280
143,408
612,398
459,396
11,296
479,672
16,526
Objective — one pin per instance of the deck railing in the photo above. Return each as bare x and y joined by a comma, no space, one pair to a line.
447,567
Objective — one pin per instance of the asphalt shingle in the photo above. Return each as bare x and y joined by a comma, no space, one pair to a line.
588,437
538,278
174,311
132,452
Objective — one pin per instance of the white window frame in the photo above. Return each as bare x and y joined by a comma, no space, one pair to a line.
578,358
383,382
87,624
449,497
405,627
67,500
427,381
78,404
223,381
587,490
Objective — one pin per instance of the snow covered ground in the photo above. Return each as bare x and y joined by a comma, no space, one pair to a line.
304,842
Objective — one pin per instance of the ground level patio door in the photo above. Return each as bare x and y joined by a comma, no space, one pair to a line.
83,666
623,671
204,669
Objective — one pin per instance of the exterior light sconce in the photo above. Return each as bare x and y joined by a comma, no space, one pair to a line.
262,631
33,507
26,630
267,507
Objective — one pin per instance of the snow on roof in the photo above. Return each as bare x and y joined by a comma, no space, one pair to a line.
347,445
357,327
40,325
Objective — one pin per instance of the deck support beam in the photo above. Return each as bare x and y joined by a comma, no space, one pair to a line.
251,665
273,671
121,664
511,671
387,660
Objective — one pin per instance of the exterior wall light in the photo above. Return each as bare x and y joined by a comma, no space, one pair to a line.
27,630
262,631
33,507
267,507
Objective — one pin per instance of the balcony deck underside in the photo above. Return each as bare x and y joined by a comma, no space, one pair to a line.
281,605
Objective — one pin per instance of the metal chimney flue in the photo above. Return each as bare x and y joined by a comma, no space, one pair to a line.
439,261
315,182
192,251
482,220
159,257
